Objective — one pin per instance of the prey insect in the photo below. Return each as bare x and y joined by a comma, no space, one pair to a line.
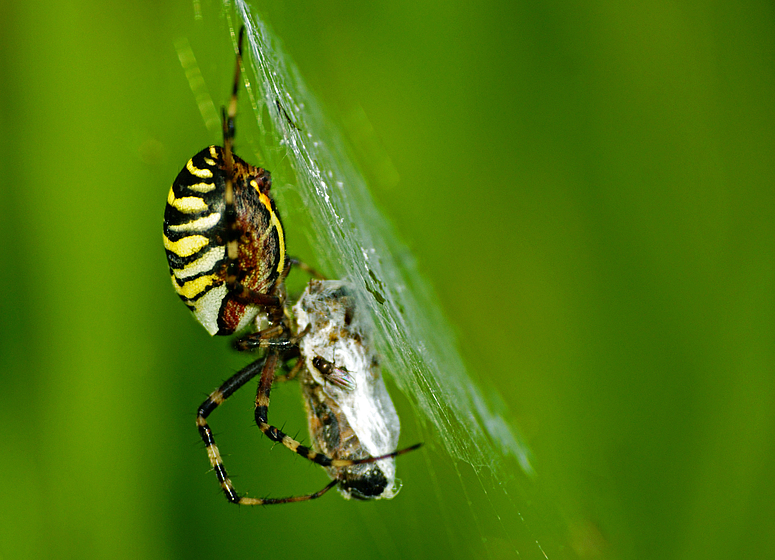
225,246
350,413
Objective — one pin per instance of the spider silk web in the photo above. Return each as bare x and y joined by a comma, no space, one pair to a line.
351,239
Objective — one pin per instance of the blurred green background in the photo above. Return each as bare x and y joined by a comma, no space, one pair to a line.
590,188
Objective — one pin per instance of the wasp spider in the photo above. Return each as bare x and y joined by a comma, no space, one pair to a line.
225,246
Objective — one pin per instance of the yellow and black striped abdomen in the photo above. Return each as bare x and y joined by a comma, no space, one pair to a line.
196,231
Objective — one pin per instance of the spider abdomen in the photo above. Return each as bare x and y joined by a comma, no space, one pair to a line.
196,233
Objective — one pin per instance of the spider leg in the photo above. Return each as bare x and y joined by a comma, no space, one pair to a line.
269,337
232,230
273,501
293,261
292,373
265,338
212,402
278,436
